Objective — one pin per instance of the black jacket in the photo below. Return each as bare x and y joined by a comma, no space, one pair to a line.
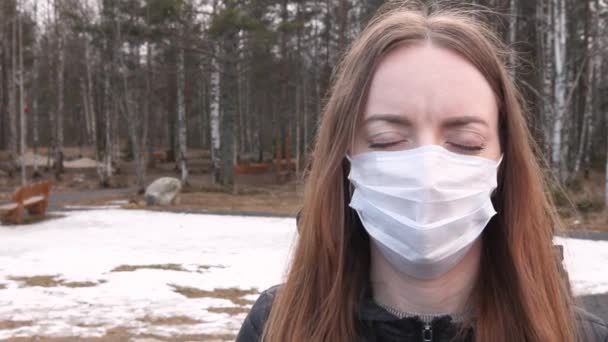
377,325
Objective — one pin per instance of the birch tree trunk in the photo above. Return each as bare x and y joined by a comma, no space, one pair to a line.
203,112
299,97
51,110
342,24
145,126
87,101
305,119
181,111
60,104
148,142
107,161
543,20
12,106
590,89
240,136
606,167
214,116
85,109
298,128
560,83
587,122
513,17
132,115
35,94
22,121
229,105
88,98
599,64
114,124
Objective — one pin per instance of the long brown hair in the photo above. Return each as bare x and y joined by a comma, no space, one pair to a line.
519,295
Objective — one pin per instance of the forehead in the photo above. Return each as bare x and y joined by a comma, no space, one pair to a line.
425,81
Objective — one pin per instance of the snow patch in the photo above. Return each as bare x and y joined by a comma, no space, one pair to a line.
225,259
214,252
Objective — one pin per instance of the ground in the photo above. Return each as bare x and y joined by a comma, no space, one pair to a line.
253,193
114,274
134,273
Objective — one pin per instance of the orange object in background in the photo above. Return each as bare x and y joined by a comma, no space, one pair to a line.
251,168
34,198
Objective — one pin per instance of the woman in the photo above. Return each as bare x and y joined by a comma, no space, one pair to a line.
425,216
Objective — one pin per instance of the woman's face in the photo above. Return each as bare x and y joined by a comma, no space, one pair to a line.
423,95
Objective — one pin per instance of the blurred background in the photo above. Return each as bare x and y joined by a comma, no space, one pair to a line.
213,92
210,107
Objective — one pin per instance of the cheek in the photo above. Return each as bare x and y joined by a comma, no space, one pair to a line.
492,150
360,145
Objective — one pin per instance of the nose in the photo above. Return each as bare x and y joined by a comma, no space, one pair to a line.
426,134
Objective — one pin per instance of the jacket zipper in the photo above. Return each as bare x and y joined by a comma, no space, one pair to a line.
427,333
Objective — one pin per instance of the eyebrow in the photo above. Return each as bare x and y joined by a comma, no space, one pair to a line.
390,118
454,121
457,121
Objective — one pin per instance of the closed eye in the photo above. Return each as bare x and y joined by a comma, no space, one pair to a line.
468,148
385,144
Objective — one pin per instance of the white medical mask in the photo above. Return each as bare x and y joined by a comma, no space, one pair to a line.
425,207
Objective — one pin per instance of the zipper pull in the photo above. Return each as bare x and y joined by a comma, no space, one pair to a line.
427,333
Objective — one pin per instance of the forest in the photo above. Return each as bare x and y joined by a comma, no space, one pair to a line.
243,82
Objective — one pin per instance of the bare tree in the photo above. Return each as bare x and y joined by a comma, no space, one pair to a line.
181,108
3,50
35,95
22,121
88,99
148,114
12,106
560,84
513,17
590,92
215,122
59,87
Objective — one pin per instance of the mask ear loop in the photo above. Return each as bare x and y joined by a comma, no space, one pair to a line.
499,183
346,162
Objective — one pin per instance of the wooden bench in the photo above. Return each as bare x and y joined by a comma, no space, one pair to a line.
34,198
251,168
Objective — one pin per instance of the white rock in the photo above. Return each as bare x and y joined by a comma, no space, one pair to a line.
163,191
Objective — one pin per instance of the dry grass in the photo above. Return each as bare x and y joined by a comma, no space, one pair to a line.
232,294
31,219
581,204
90,325
173,320
251,194
131,268
42,281
7,325
203,268
281,200
52,281
81,283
